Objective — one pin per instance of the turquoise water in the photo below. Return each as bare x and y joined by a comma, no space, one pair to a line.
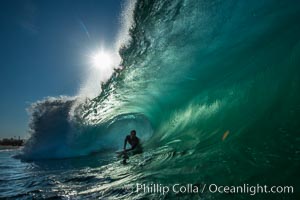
212,88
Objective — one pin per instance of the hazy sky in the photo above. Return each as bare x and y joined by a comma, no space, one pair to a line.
43,47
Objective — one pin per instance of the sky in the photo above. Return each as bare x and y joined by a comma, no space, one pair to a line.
43,51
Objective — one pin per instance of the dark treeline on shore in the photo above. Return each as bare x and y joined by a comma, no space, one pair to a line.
12,142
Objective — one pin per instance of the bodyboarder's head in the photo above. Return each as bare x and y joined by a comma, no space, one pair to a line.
133,133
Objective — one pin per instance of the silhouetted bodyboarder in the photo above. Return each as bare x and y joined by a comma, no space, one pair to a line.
134,141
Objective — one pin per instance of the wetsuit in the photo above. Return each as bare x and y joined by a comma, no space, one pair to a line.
133,141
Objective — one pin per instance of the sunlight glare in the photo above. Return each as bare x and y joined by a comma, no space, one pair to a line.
102,60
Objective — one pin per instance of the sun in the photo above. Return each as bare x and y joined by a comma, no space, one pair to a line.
101,60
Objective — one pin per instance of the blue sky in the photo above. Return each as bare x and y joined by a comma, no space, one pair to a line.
42,51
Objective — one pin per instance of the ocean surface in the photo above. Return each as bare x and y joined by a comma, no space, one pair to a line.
212,89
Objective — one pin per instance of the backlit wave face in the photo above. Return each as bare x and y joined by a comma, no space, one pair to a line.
218,82
191,66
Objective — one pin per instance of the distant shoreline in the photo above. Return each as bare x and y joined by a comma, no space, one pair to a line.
12,142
